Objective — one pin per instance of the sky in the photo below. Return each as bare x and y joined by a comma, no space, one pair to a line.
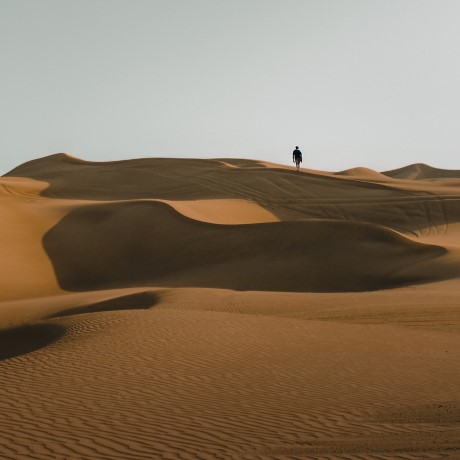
371,83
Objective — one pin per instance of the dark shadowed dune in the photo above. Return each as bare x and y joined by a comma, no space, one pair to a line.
364,174
137,301
25,339
145,243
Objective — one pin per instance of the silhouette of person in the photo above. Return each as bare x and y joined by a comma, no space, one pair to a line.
297,157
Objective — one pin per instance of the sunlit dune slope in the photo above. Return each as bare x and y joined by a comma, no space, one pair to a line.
25,271
231,211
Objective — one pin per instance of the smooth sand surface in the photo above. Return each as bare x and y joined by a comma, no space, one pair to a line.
228,309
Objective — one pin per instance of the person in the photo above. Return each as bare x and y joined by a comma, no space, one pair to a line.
297,158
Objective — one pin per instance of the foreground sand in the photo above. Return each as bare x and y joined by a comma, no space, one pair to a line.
228,309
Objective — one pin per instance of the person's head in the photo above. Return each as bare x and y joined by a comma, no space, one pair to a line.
296,146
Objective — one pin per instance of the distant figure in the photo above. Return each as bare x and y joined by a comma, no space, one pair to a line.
297,158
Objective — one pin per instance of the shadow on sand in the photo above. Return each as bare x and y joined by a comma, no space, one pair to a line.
138,301
141,243
25,339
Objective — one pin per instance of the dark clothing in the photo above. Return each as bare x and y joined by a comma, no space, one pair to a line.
297,155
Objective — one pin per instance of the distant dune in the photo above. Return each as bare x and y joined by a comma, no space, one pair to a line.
420,171
364,173
228,308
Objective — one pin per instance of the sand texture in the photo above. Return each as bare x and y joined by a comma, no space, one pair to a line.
228,309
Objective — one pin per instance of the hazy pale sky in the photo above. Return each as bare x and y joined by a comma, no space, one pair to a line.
372,83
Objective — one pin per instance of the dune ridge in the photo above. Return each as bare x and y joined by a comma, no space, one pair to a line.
228,308
421,171
278,190
364,174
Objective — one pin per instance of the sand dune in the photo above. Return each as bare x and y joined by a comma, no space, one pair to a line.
26,269
228,308
233,211
420,171
364,174
129,244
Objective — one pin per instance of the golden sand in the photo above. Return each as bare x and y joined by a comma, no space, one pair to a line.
231,309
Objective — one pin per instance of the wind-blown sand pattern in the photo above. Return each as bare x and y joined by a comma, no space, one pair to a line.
228,309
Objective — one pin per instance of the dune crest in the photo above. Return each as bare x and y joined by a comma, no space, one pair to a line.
364,174
223,212
421,171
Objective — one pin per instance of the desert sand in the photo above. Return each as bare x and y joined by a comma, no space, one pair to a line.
228,309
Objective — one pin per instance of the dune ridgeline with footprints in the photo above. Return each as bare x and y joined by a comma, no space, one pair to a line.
228,308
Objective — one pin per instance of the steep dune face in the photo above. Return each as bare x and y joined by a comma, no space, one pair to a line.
145,243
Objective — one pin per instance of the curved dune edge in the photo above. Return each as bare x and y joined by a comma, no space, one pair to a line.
19,312
364,174
142,300
26,326
121,244
223,212
25,217
27,338
21,188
